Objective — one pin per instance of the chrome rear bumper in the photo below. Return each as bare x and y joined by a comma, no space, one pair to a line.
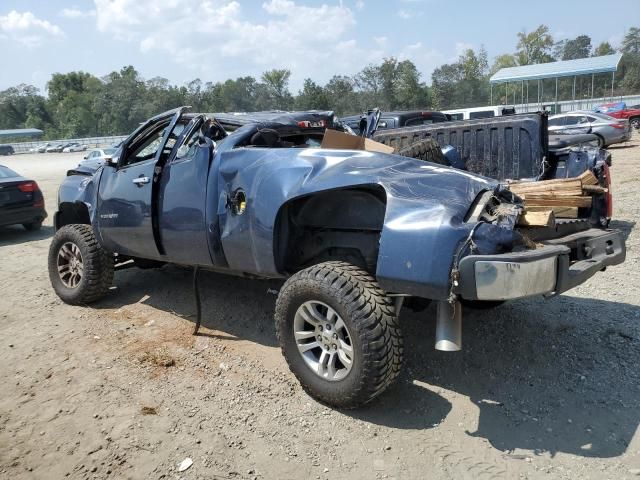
559,265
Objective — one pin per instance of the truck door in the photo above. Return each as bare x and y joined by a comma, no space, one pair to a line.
125,207
183,195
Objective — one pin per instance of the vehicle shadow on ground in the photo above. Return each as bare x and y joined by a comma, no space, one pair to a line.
16,234
546,376
621,147
555,375
170,289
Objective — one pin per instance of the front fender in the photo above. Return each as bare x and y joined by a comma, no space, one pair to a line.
77,196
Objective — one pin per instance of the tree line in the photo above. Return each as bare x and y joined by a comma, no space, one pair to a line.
78,104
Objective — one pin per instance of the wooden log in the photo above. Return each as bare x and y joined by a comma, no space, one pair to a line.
559,212
531,200
543,218
588,178
548,182
594,189
567,187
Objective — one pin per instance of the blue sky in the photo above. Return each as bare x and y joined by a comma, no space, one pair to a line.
218,39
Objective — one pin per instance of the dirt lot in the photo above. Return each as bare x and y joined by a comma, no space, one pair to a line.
121,389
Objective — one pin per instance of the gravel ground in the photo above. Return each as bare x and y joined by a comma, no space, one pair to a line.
121,389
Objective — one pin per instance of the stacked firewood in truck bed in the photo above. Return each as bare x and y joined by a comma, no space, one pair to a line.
547,200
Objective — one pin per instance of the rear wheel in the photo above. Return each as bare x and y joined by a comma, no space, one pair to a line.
635,122
80,271
339,333
600,141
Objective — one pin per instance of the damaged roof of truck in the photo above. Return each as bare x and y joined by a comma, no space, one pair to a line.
309,118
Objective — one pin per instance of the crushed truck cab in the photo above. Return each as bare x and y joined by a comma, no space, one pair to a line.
352,233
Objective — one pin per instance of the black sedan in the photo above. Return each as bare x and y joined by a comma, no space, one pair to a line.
21,201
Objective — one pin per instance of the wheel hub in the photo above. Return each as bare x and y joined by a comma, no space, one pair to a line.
70,265
323,340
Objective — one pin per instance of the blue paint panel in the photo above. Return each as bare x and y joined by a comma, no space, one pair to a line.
182,203
124,210
426,205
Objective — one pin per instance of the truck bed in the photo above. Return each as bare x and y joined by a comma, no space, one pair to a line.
510,147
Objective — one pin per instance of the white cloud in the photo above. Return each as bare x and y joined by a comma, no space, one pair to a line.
409,14
359,4
425,59
219,39
208,35
381,41
26,28
74,12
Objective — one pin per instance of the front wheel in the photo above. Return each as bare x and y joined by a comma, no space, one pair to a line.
80,271
339,333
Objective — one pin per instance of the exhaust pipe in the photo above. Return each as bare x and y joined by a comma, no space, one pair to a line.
449,327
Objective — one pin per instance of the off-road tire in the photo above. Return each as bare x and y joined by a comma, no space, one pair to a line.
97,265
427,150
370,317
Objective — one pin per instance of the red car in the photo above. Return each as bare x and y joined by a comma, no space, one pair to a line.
620,110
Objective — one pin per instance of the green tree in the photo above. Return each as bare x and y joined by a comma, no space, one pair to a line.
23,107
534,47
631,42
604,48
579,47
276,87
409,92
506,60
444,82
342,96
238,95
72,103
369,85
311,97
121,102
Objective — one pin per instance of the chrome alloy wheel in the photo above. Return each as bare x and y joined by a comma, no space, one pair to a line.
323,340
70,266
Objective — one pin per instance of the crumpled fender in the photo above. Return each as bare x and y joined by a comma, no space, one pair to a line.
424,219
80,189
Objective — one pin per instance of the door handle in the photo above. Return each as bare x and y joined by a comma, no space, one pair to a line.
141,181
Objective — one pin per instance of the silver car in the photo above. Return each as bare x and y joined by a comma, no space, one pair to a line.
609,130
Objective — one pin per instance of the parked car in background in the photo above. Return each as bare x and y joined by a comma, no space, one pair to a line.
40,148
479,112
55,147
398,119
21,201
621,111
94,160
609,130
74,147
6,150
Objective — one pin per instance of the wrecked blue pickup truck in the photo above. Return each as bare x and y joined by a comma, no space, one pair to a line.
355,233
